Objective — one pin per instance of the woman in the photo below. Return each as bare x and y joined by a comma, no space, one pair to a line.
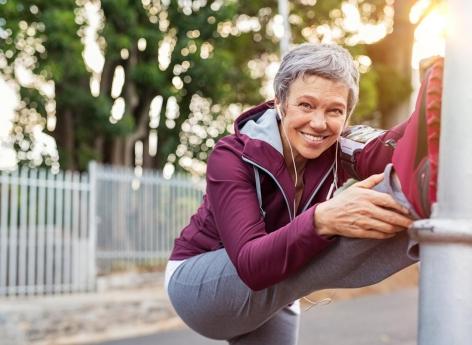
269,231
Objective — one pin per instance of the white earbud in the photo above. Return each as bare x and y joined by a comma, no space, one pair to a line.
278,111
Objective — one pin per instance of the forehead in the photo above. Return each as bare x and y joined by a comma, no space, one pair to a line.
319,88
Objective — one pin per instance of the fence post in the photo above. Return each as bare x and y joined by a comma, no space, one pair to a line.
92,248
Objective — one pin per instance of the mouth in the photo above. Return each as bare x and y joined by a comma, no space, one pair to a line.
313,138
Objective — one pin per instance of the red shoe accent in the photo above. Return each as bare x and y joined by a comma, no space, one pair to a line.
433,123
417,153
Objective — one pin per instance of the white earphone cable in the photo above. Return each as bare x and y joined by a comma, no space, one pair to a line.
281,116
327,300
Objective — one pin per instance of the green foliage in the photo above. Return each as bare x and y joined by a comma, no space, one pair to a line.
33,99
86,154
148,77
393,87
206,63
368,98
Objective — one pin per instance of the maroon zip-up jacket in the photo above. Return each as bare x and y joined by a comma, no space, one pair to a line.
267,249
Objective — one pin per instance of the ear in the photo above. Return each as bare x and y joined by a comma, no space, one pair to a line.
277,102
278,107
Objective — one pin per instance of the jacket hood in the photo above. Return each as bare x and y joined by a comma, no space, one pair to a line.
264,126
251,114
257,129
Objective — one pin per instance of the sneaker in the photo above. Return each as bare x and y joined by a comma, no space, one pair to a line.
417,153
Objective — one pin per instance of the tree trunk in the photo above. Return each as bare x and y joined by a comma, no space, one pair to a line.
168,139
106,79
65,139
99,147
395,52
117,146
137,104
148,161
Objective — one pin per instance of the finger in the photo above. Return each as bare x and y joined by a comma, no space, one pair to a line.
377,235
372,234
371,181
391,217
386,201
380,225
387,215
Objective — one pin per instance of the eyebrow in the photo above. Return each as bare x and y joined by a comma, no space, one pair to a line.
334,103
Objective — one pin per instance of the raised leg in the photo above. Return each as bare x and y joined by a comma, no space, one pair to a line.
416,154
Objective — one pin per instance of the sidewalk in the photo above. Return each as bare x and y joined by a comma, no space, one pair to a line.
129,306
116,311
389,318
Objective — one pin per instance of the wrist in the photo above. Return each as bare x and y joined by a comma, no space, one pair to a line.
320,224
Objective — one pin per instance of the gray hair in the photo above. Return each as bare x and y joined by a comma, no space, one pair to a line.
328,61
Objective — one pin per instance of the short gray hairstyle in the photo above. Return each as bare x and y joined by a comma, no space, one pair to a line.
328,61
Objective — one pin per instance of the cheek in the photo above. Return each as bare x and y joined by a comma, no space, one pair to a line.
338,127
294,121
292,124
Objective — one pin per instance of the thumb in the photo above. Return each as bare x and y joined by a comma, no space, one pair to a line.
371,181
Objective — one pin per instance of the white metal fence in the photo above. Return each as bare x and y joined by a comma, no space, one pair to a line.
58,231
139,217
44,233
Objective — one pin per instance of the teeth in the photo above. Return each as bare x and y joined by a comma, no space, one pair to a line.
312,137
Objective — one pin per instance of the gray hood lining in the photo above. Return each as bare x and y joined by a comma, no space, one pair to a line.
265,128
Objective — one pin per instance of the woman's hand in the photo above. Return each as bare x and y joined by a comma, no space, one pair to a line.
362,212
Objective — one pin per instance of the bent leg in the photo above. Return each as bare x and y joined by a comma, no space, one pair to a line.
281,329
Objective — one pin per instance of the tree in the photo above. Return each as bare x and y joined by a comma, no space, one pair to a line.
201,63
187,67
391,58
44,37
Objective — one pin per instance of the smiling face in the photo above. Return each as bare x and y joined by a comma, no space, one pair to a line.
314,115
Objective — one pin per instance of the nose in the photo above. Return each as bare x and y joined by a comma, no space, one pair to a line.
318,120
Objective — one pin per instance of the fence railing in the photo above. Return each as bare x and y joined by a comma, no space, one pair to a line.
44,233
138,218
58,231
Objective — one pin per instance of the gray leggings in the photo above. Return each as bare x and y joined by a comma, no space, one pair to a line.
209,296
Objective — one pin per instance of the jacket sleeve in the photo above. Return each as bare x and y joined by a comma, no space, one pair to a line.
261,259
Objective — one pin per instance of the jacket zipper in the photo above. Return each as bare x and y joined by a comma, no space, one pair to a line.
318,187
276,181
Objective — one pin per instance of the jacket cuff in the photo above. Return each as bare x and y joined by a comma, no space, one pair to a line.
318,242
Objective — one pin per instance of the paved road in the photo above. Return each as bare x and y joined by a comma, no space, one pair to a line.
372,320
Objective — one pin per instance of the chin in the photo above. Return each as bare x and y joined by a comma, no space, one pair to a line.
312,153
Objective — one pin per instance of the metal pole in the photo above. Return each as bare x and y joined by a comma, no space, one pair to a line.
445,311
287,36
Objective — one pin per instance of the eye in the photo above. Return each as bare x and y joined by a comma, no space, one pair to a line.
336,112
305,106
